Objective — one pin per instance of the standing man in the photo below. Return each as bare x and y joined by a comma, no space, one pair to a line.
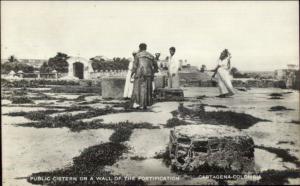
173,76
144,67
128,84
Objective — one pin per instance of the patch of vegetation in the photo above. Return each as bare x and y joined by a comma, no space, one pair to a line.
207,169
76,89
100,155
175,113
116,63
275,177
89,163
80,98
125,105
64,120
94,112
21,100
295,121
76,108
42,96
275,97
121,134
137,158
281,153
20,92
13,64
279,108
34,115
173,122
71,122
275,94
58,63
229,118
216,106
201,97
243,89
36,83
165,156
89,102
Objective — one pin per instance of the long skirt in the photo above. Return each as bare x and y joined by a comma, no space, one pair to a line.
142,92
128,86
224,81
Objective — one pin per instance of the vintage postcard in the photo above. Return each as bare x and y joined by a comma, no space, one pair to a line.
150,93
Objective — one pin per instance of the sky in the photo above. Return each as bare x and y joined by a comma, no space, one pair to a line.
261,36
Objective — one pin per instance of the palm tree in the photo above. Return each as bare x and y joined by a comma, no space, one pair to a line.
12,58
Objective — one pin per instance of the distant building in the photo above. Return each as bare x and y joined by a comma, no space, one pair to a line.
292,67
290,76
282,74
79,68
189,69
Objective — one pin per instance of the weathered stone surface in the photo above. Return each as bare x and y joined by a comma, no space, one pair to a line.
112,87
193,146
169,94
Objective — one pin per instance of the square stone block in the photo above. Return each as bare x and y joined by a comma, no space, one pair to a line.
112,87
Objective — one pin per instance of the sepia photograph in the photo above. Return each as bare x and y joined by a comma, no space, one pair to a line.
150,93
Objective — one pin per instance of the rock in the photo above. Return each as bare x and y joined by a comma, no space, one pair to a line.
194,146
169,94
112,87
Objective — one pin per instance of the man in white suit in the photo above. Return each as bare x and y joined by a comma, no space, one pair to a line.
173,76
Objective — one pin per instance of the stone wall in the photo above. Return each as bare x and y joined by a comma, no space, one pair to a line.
194,146
108,73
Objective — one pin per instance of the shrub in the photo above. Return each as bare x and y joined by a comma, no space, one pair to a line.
120,135
21,100
175,122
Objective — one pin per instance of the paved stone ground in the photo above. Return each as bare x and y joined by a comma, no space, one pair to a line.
27,150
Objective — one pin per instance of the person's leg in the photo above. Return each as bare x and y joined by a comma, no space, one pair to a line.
145,91
135,97
175,81
227,82
169,81
222,87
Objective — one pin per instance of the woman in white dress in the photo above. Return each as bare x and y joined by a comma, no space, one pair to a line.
223,76
129,84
